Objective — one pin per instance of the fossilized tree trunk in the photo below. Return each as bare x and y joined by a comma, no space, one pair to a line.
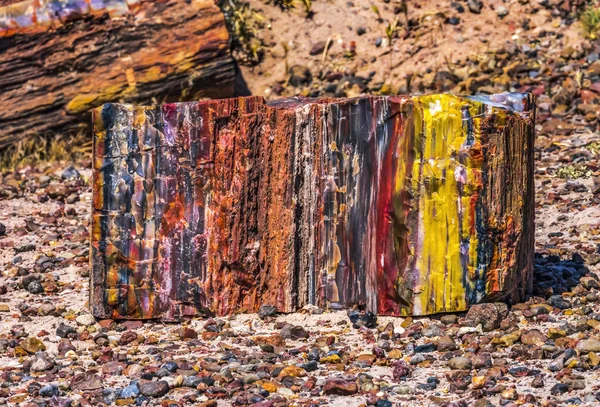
403,205
59,59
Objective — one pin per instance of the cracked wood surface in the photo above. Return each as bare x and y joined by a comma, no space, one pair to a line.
403,205
58,60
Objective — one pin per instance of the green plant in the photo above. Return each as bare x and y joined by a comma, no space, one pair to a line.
590,20
390,31
376,11
244,24
307,6
286,51
284,5
594,147
573,172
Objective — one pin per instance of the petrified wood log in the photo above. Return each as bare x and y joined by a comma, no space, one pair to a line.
403,205
60,58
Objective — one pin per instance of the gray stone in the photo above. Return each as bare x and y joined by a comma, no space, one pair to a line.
460,363
154,389
266,310
488,315
475,6
502,11
589,345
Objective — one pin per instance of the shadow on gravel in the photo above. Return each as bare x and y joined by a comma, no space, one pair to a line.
553,276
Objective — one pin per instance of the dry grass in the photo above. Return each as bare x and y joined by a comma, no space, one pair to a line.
244,25
284,5
36,149
307,6
590,20
594,148
573,172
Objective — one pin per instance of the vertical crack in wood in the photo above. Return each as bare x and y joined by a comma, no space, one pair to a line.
401,205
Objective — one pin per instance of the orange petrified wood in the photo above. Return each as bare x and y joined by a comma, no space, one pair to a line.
194,209
403,205
61,58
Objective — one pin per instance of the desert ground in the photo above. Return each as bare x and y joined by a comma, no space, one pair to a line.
545,351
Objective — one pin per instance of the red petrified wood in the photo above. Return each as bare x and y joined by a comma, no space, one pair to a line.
402,205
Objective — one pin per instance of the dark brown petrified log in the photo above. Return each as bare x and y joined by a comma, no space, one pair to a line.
59,59
402,205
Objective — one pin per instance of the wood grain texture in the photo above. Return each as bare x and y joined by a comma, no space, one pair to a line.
198,195
58,60
428,204
401,205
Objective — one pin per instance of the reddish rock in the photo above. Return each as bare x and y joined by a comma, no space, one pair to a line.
533,337
127,337
401,370
274,340
187,333
87,381
154,389
132,325
488,315
208,336
113,368
107,323
65,345
340,387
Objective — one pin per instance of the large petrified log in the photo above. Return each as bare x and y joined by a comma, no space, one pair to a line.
60,58
403,205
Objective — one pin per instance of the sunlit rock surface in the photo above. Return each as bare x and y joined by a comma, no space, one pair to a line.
404,205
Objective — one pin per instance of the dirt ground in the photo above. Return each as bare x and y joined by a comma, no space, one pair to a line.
421,48
543,352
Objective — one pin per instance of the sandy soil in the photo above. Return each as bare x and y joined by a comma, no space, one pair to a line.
44,254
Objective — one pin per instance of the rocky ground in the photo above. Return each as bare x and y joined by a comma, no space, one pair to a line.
542,352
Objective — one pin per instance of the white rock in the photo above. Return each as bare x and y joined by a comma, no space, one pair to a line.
85,320
285,392
466,330
171,380
502,11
